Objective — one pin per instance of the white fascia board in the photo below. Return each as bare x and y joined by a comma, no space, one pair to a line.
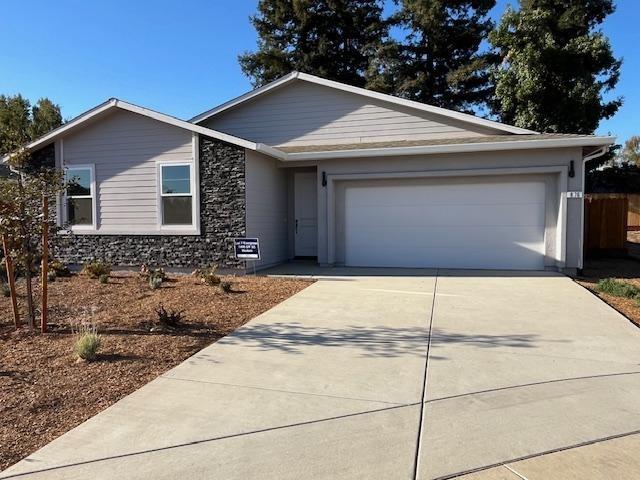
271,151
161,117
464,117
455,148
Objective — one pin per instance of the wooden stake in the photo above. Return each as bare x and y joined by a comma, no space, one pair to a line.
45,262
11,279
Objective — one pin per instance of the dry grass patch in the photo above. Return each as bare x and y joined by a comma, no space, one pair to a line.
44,392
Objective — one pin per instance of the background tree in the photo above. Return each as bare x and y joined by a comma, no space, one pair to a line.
45,116
630,153
555,66
15,121
334,39
21,123
438,60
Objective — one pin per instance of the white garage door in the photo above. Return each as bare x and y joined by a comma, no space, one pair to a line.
456,225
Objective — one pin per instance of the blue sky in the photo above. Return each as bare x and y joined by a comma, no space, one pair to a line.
180,57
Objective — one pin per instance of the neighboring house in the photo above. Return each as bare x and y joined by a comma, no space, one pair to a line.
319,169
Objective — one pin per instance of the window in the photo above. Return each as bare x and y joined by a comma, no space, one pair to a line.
176,194
80,196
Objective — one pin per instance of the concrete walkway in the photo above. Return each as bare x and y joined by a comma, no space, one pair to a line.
331,384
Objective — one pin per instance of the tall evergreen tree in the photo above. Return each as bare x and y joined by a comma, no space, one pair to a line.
45,116
15,121
20,123
334,39
555,66
438,61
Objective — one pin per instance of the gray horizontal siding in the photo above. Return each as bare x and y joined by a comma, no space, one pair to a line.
308,114
266,192
124,147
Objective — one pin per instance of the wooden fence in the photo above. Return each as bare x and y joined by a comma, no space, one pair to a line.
606,221
633,214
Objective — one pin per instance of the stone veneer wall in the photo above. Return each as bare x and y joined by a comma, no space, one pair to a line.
222,217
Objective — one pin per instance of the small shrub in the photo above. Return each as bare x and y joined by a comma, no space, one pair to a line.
153,276
169,319
226,286
59,268
96,268
87,341
208,275
5,290
618,288
104,278
51,276
147,273
155,282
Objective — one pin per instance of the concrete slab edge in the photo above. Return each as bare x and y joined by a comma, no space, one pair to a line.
505,463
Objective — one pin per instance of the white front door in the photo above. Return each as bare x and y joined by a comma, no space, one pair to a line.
450,225
306,214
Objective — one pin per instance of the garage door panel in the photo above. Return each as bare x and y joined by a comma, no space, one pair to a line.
448,194
444,226
467,237
529,214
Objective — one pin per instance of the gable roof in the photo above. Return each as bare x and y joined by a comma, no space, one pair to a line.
299,76
507,141
114,103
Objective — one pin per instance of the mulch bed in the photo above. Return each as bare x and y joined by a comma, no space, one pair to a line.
44,392
626,269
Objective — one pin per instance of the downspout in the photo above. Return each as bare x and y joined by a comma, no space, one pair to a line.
598,153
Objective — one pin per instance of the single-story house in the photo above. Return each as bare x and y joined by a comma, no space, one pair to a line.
320,170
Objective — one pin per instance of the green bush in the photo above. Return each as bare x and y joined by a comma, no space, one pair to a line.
87,342
5,290
59,268
226,286
154,282
153,276
96,268
618,288
51,276
104,278
208,275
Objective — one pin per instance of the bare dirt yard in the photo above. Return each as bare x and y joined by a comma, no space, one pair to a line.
45,392
625,269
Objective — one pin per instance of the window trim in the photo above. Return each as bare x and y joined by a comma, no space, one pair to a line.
93,197
194,226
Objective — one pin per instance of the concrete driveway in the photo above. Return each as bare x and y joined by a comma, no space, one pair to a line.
370,375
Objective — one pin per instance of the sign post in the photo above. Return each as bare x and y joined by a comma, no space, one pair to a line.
247,249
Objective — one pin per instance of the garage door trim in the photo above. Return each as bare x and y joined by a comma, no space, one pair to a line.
561,170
